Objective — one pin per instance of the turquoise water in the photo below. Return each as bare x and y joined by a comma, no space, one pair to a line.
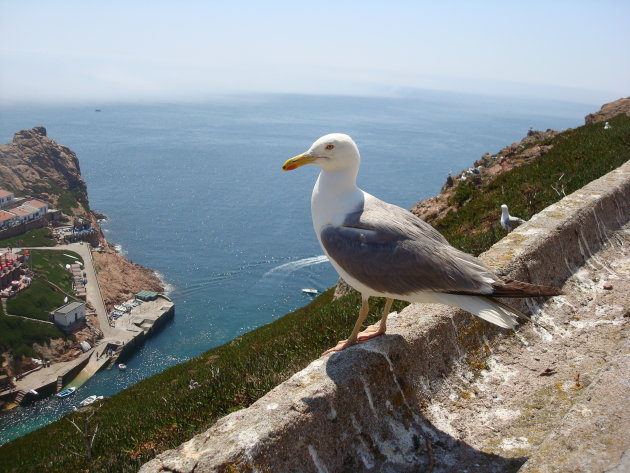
196,192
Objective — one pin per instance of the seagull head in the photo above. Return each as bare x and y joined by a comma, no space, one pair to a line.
504,209
330,152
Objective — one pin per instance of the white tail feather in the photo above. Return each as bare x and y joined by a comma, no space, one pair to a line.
481,307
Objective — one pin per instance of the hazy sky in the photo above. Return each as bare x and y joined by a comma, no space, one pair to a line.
60,51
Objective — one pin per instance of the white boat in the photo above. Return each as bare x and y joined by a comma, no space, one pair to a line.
310,291
89,400
122,366
66,392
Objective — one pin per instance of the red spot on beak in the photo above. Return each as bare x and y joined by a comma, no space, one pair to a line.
291,168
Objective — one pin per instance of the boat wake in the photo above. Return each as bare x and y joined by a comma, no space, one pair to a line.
288,268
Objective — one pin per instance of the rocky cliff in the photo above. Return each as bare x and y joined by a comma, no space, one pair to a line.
609,110
34,164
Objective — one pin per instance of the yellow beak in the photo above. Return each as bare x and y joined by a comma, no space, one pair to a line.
298,161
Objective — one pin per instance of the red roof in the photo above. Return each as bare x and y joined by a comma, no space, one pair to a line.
21,212
4,193
36,203
4,216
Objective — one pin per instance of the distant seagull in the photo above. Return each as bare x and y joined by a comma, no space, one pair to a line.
382,250
607,126
507,221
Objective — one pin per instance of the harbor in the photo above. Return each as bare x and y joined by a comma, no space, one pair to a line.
120,332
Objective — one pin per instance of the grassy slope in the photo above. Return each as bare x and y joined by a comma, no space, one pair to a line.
18,335
578,157
236,374
37,237
35,302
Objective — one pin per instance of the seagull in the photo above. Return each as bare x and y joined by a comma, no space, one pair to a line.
383,250
607,126
508,221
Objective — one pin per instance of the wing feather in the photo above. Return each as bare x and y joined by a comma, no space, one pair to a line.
392,251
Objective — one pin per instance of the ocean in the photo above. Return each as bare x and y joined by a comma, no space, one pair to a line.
196,192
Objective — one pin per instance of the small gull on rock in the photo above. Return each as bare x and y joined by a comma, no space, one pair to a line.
508,221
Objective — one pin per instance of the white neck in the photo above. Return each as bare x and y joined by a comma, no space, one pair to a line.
335,194
339,180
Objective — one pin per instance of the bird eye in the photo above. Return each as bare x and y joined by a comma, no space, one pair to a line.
330,146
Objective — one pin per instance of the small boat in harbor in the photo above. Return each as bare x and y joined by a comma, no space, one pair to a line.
66,392
122,366
310,291
89,400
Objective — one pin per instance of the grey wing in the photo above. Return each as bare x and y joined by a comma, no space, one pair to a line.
391,250
515,222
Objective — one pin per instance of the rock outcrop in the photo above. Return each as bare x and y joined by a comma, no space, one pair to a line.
609,110
533,146
37,165
120,279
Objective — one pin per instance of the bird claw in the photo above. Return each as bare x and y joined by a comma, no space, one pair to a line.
370,332
342,345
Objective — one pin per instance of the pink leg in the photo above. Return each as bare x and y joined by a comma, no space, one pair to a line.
343,344
377,329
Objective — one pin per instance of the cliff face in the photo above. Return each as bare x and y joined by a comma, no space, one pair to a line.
609,110
531,147
36,165
120,279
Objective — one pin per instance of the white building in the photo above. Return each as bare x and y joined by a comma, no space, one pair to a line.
21,214
6,197
40,207
69,314
27,212
7,219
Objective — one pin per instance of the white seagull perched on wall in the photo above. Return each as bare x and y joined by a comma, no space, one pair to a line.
382,250
508,221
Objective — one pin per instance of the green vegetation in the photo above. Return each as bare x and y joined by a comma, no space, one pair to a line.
578,157
70,200
51,264
36,302
18,335
37,237
161,412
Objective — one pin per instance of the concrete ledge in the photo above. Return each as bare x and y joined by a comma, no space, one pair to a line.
587,437
371,408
